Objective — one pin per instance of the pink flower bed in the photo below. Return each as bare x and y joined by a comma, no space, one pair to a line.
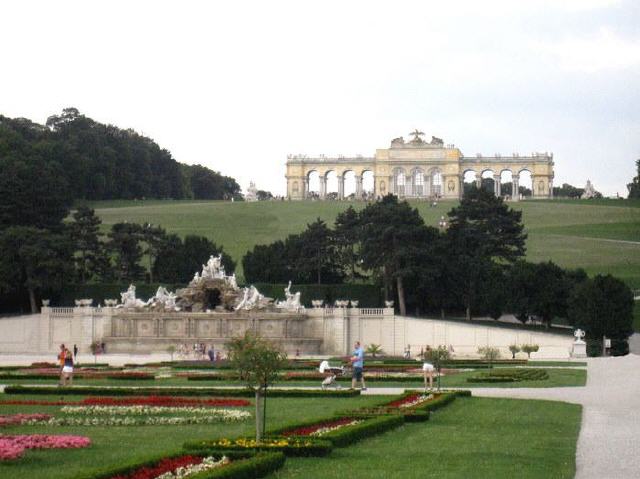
13,447
17,419
170,401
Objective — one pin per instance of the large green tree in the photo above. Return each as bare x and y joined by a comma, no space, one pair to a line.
125,245
482,231
35,259
603,306
634,186
84,231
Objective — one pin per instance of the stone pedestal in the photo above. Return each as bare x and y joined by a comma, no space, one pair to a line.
579,350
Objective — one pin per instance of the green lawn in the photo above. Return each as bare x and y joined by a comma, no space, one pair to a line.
112,446
570,233
471,438
557,378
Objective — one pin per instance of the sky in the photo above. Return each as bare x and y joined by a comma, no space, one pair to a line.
238,85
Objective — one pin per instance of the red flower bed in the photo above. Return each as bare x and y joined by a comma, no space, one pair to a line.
165,465
405,400
12,447
36,403
308,430
16,419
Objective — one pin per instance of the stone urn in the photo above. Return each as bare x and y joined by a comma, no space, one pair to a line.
45,303
317,303
354,303
388,304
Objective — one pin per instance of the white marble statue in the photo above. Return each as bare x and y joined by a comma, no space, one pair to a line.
213,269
231,280
129,299
245,299
291,301
164,298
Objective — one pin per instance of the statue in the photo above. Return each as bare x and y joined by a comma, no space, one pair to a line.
213,269
291,302
579,334
232,281
129,299
436,141
397,141
163,298
416,137
245,299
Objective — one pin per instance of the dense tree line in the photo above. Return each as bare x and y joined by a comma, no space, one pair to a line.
92,161
634,186
475,265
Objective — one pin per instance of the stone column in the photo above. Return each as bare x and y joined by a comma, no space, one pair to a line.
323,187
408,186
550,187
533,186
515,185
496,185
478,180
358,187
305,187
427,185
460,186
340,187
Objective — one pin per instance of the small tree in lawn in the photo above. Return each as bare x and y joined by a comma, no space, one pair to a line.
437,356
258,363
489,354
374,349
530,348
515,349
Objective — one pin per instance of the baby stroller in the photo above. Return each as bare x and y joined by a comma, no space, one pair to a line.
330,373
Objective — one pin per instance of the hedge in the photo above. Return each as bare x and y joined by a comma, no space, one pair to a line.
129,391
244,465
509,375
294,447
230,377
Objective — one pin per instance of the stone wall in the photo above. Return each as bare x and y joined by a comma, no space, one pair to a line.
328,331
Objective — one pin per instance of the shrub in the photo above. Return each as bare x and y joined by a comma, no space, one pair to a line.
530,348
489,354
374,349
515,349
509,375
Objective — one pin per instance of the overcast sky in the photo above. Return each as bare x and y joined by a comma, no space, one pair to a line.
238,85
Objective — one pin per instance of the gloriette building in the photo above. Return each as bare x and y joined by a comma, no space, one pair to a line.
418,169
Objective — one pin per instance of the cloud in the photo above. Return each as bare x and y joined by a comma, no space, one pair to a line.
604,50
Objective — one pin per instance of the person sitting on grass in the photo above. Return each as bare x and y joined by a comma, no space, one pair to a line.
357,362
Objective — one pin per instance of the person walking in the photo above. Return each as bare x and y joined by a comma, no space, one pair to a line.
357,362
75,353
67,369
61,355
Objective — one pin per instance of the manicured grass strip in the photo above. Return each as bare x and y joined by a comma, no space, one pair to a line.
509,375
471,438
115,391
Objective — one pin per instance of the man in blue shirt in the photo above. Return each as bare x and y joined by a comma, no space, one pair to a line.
357,362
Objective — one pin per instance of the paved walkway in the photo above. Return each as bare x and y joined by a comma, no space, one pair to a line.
609,441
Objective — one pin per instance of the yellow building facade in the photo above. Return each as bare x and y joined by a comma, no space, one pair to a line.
418,169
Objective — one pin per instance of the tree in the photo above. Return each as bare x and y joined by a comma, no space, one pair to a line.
346,235
482,230
437,357
634,186
258,363
314,252
262,195
267,263
514,349
540,289
602,306
84,231
124,243
155,238
39,261
529,348
489,354
394,241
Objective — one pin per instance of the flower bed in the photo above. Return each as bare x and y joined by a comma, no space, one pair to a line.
290,446
129,391
410,400
13,447
36,374
168,401
320,428
17,419
144,410
176,468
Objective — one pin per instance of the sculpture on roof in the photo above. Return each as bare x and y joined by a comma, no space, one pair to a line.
417,134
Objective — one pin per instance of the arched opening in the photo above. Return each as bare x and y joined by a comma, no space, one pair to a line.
349,181
368,184
417,180
487,183
399,180
331,179
506,183
212,298
313,182
525,185
468,179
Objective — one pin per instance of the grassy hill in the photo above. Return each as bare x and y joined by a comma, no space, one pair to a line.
599,236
